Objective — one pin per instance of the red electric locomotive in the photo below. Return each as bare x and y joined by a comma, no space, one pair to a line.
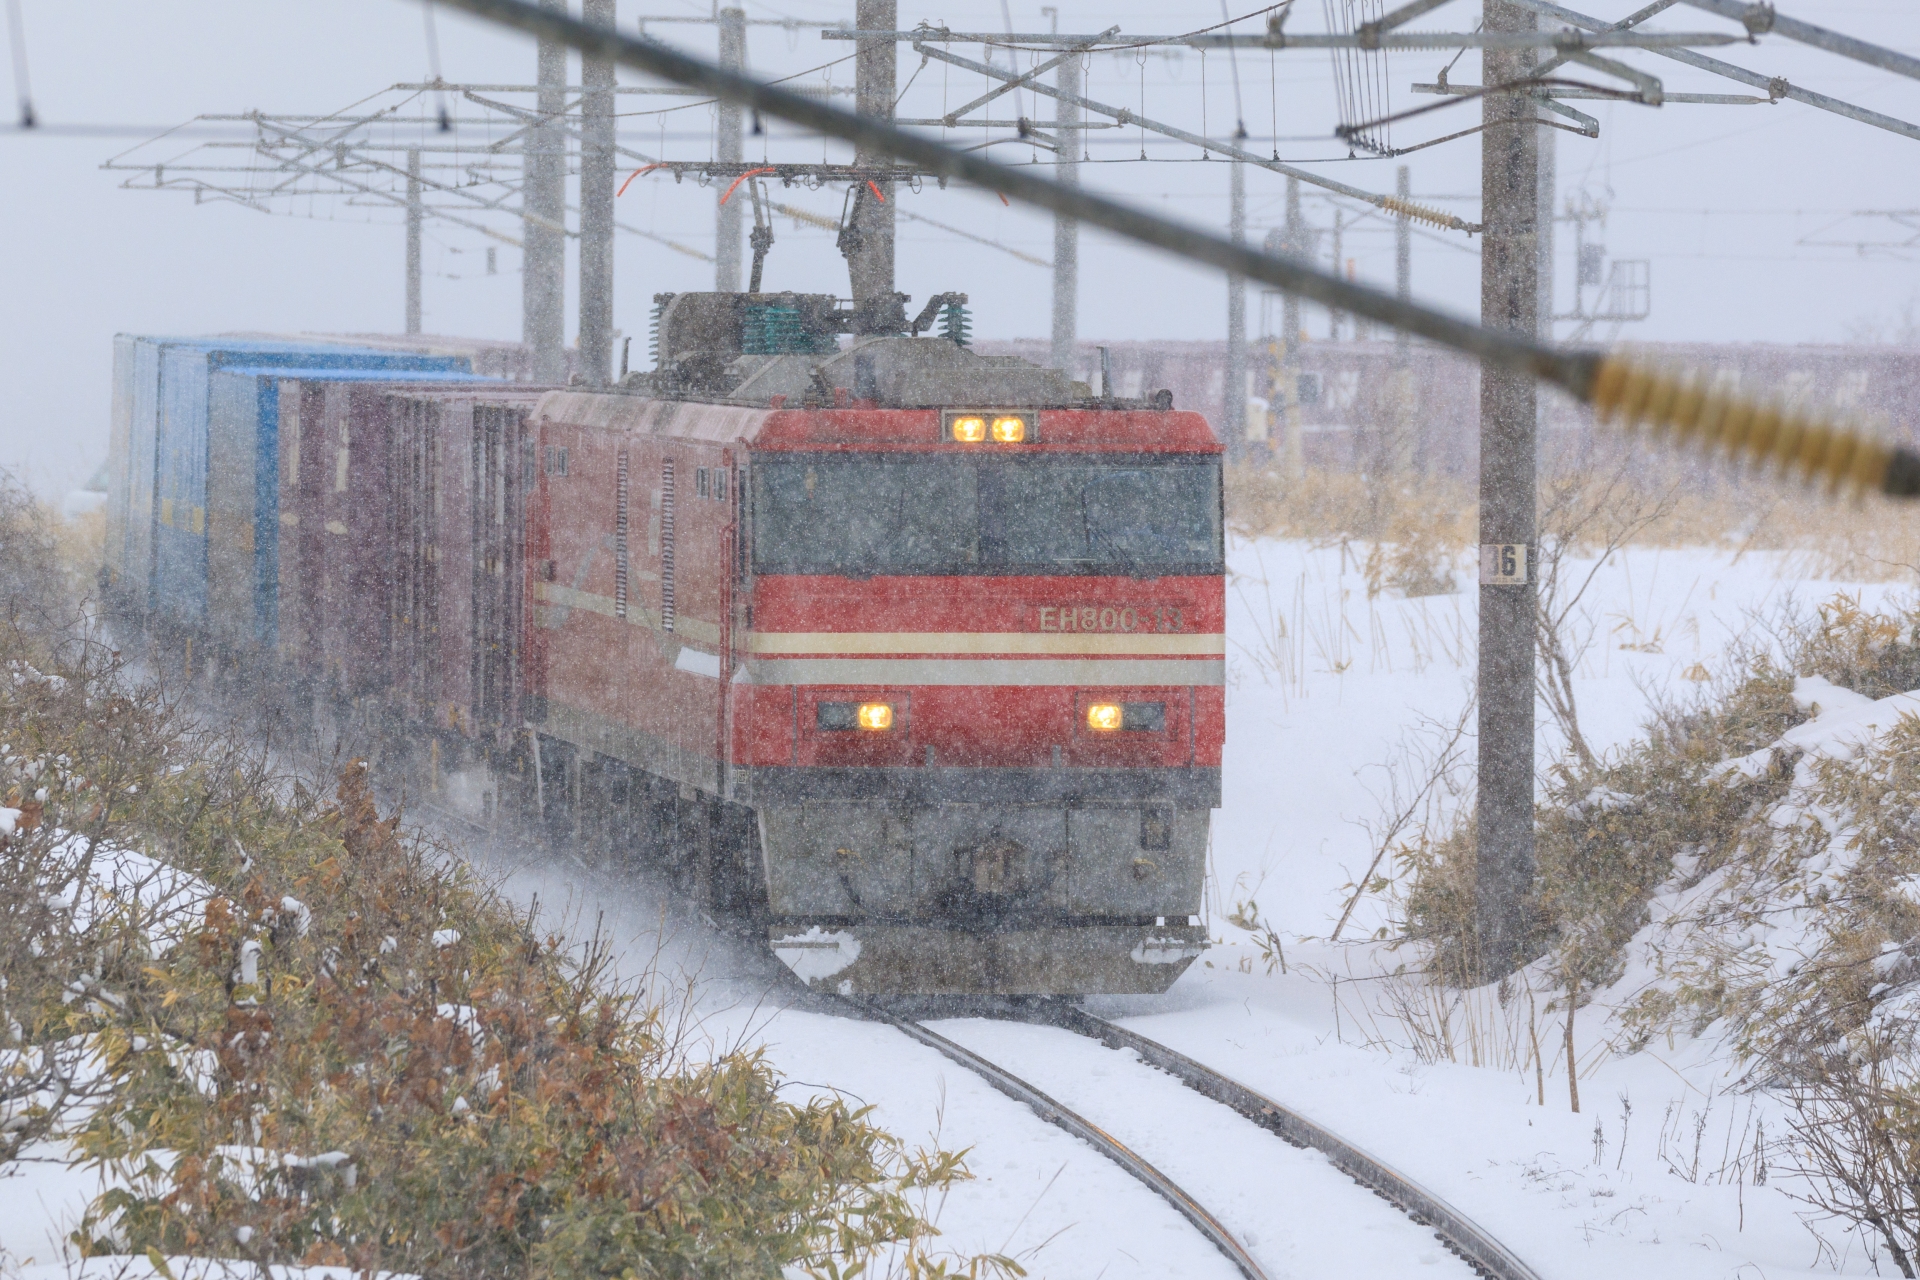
910,656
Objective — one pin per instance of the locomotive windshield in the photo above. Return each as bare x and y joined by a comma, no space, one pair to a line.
1039,515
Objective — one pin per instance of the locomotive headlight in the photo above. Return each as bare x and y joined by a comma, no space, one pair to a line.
1009,430
969,430
1104,717
875,717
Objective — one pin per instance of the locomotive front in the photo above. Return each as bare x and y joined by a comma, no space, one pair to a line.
981,710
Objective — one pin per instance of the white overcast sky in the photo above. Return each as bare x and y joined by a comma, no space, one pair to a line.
1723,200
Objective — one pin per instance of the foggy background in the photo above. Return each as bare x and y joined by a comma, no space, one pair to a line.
1722,199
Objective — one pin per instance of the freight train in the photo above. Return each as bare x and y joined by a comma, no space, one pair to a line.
908,659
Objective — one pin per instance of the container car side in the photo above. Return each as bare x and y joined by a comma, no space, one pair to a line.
460,458
157,501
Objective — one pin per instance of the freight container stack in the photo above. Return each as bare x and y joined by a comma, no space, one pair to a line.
196,445
298,456
345,526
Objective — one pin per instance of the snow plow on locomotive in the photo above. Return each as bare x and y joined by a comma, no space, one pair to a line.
908,659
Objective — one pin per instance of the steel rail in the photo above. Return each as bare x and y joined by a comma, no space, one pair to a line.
1085,1130
1618,388
1459,1232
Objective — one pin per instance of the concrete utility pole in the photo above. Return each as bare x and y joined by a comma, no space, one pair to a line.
543,205
1236,388
1334,315
1403,260
867,239
1549,196
1402,454
1295,455
728,150
1509,299
1066,231
596,207
413,240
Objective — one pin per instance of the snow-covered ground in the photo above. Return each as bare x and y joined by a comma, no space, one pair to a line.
1328,693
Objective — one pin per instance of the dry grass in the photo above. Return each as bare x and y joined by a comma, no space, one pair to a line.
1413,530
1415,523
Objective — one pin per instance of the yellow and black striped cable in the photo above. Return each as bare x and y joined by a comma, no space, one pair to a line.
1688,411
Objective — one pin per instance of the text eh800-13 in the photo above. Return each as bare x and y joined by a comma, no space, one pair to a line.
1108,617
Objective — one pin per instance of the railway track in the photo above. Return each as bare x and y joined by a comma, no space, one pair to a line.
1085,1130
1458,1232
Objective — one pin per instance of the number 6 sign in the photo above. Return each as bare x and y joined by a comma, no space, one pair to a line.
1503,564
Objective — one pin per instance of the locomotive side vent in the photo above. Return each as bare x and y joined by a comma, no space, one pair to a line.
666,545
620,538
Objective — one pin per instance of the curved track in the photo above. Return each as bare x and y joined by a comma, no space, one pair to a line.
1456,1230
1464,1237
1085,1130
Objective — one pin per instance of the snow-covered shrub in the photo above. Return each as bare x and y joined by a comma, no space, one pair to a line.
1855,1139
401,1074
1800,948
79,914
36,589
1607,837
1871,654
1687,799
1751,871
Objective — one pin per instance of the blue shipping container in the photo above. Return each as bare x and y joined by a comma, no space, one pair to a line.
157,504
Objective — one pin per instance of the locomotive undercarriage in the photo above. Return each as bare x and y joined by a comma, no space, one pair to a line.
971,881
936,881
917,881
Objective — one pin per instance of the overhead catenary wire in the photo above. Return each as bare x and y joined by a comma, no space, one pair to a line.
1507,349
1775,86
1434,217
1124,46
1359,86
1616,387
824,223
